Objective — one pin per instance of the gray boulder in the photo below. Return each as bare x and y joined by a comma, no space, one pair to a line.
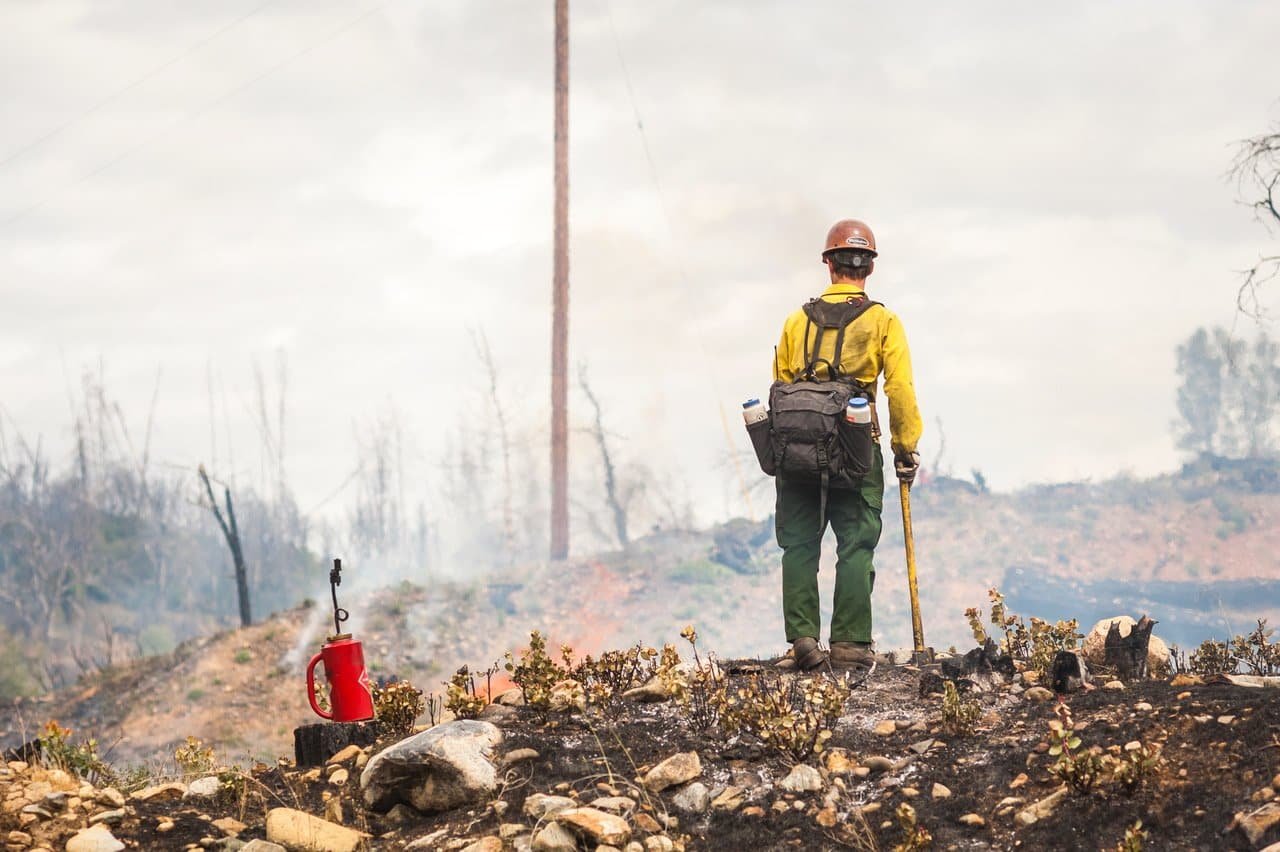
437,770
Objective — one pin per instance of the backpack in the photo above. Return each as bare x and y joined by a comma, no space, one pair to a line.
809,435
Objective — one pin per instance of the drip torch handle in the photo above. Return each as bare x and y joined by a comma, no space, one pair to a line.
335,580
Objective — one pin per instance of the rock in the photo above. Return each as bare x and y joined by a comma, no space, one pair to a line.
203,788
513,697
1019,781
753,811
676,769
596,825
108,817
350,752
1142,706
567,695
485,844
439,769
730,799
554,838
303,832
940,791
615,804
1275,783
648,693
837,762
1113,685
160,792
884,728
922,746
339,777
18,838
95,839
1030,677
428,842
229,826
1184,679
877,763
262,846
972,820
694,798
110,796
37,811
541,805
1256,824
498,714
644,822
1094,646
1226,720
1043,808
658,843
1038,694
519,755
802,778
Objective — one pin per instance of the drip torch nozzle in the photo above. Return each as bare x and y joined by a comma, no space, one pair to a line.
335,580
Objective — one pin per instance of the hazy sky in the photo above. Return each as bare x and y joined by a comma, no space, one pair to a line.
188,187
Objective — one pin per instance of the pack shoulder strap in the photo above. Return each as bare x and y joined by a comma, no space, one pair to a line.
829,315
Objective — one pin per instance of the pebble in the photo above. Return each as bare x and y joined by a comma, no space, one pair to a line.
1019,781
108,817
803,778
339,777
1038,694
940,791
884,728
877,763
1142,706
1183,695
910,792
110,796
972,820
96,839
753,811
1114,685
1226,720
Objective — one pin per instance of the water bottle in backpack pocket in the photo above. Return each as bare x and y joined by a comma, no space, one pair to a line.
759,429
857,437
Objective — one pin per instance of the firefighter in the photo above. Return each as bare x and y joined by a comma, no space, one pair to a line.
873,344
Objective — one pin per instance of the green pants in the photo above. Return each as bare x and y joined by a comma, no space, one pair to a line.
855,517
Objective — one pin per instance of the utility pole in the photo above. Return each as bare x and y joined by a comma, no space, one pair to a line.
560,299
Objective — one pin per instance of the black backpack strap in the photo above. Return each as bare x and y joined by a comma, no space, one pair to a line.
825,315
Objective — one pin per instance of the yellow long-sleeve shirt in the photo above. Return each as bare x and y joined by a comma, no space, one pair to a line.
874,343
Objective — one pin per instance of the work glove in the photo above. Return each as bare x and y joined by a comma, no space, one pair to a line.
906,465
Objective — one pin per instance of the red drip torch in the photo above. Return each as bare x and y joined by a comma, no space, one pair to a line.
349,695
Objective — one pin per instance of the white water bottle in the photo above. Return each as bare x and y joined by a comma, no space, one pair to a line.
753,411
859,411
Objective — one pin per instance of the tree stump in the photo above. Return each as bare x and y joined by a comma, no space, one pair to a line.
314,744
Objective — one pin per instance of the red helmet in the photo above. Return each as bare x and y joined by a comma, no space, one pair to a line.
849,234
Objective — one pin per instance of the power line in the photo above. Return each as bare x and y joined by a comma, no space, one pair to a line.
76,119
226,96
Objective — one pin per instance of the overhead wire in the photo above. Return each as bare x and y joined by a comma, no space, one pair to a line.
194,114
678,254
154,72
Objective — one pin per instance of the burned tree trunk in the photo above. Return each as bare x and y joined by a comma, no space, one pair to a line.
315,744
611,492
231,531
1129,653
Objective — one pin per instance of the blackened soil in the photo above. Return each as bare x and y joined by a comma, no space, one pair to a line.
1220,743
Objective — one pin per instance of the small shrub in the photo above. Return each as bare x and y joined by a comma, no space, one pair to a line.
1132,766
1260,656
195,758
792,715
397,706
194,695
1046,640
244,655
536,673
81,760
1079,768
974,617
1134,840
700,693
914,835
615,672
1213,657
460,695
959,715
